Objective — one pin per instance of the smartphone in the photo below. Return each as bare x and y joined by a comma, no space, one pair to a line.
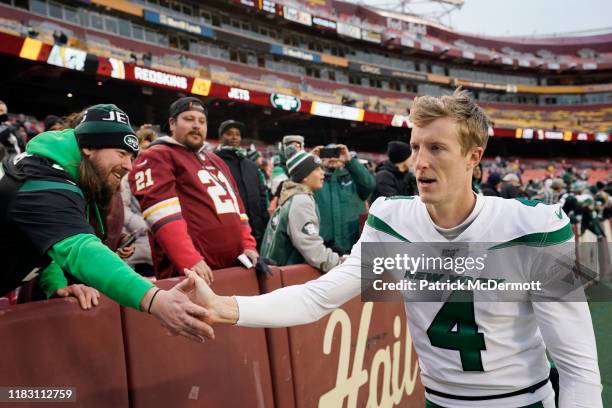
128,241
327,152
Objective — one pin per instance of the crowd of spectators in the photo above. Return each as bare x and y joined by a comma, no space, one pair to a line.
589,205
186,204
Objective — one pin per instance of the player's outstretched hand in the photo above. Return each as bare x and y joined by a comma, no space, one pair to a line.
178,313
221,309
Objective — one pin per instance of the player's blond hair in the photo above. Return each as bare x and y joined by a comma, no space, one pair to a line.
472,122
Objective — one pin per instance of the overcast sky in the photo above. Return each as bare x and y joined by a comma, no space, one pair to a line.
521,17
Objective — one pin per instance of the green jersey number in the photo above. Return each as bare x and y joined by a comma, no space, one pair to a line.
455,328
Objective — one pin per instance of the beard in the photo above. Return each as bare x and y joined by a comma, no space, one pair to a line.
96,186
194,144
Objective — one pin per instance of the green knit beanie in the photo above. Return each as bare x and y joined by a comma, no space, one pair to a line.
106,126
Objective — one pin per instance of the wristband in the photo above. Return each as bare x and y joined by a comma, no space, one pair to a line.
152,298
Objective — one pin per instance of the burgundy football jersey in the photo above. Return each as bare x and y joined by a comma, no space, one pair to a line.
176,186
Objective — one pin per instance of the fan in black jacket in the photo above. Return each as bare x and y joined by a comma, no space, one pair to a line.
392,176
246,173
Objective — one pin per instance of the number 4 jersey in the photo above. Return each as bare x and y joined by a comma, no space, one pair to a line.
191,205
479,349
470,352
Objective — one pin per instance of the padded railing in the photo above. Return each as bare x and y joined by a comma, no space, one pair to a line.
118,357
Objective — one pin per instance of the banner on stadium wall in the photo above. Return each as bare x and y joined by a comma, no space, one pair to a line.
298,16
155,77
348,30
285,102
497,87
368,69
525,134
337,111
597,88
30,49
333,60
239,94
295,53
36,50
438,79
248,3
553,135
408,74
268,6
371,36
201,86
178,23
324,23
401,121
469,84
117,68
121,5
67,57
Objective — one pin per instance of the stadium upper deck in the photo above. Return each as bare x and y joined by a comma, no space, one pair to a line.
298,53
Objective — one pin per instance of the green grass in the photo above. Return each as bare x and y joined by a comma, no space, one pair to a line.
601,312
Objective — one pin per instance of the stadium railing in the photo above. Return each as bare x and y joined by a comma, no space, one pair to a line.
113,356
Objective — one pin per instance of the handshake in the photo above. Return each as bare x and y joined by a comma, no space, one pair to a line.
206,309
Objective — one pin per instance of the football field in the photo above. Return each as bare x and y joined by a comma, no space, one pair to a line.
601,313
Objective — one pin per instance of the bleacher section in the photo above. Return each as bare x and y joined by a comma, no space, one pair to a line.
585,118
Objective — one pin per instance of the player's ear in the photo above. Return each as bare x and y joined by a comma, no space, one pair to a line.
475,156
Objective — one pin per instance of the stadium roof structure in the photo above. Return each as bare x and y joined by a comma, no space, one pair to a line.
599,40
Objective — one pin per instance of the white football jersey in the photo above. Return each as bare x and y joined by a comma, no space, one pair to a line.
502,349
471,348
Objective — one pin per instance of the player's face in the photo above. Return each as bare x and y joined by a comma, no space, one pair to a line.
110,164
443,171
231,137
189,128
315,179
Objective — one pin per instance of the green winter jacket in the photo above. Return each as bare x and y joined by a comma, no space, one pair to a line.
83,255
341,201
